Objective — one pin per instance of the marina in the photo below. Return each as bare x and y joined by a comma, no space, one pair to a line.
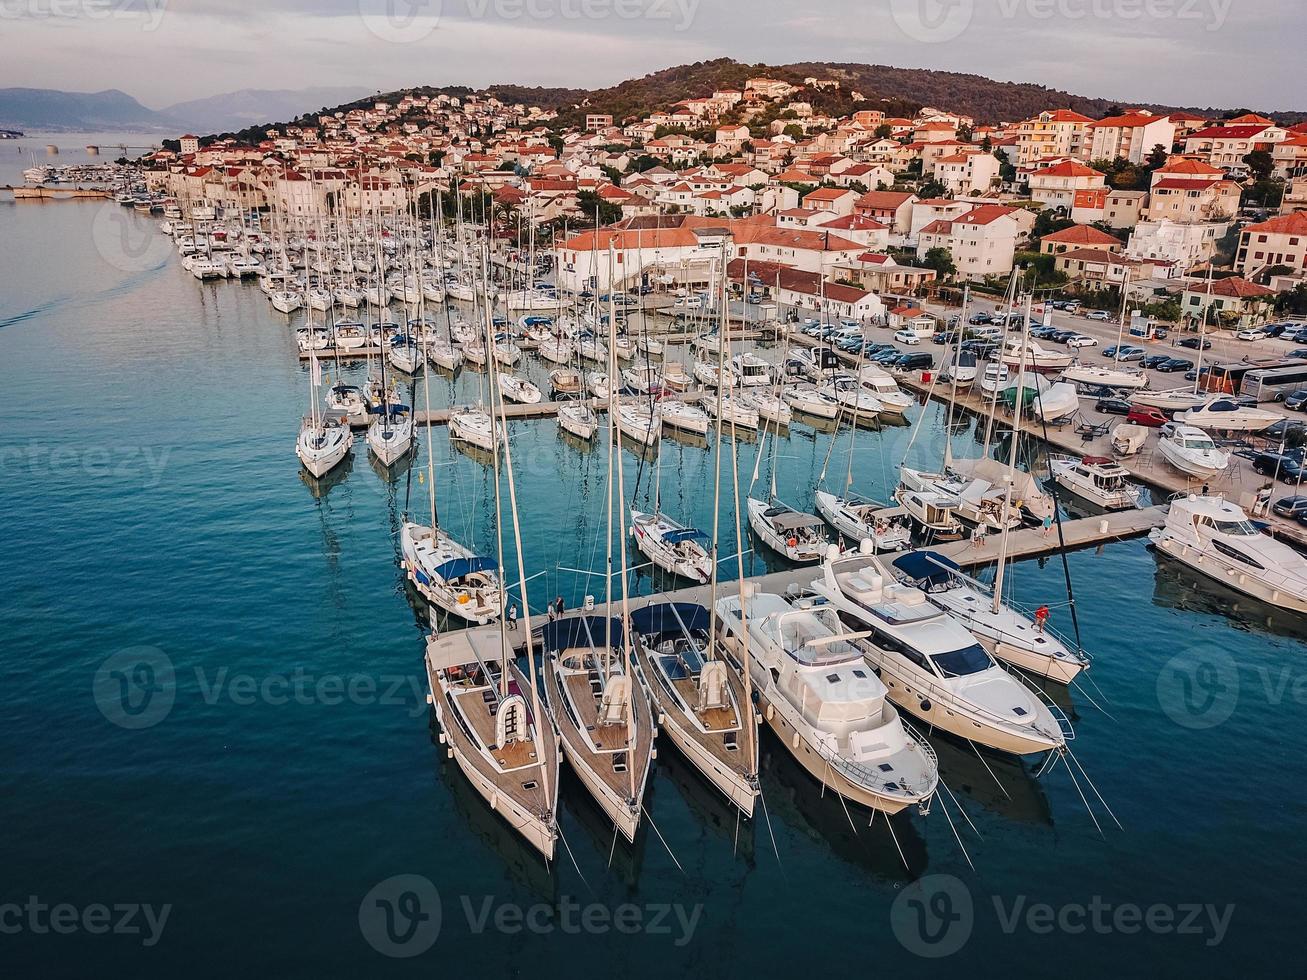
398,565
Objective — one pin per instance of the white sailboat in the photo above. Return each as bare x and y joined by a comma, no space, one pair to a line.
323,442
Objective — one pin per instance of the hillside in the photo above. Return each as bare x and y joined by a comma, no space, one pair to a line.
897,91
47,109
248,107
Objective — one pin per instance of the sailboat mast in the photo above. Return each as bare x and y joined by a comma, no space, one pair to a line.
621,520
1012,460
717,498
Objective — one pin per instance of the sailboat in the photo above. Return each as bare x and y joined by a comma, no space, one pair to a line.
323,443
500,735
447,574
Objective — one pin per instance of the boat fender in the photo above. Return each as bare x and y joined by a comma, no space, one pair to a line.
662,718
770,712
449,753
430,699
442,738
494,801
653,753
794,742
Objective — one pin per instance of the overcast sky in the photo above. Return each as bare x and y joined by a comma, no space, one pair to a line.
1226,53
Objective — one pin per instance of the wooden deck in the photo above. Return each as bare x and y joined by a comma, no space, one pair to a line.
1032,542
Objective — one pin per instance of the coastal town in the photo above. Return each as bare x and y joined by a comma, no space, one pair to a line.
890,480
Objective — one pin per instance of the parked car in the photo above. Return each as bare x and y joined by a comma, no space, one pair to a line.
909,337
888,356
1112,406
1290,507
1174,364
1125,352
1283,431
1152,361
1147,415
1101,316
1194,343
1043,333
1299,352
978,318
1080,340
983,349
1287,466
1062,336
918,361
1250,335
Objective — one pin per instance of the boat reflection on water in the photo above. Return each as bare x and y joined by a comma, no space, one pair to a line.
1175,586
709,808
524,863
793,797
691,440
392,475
576,444
1007,788
813,424
323,485
482,457
623,859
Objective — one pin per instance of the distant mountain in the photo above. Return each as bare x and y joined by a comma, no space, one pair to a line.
37,109
251,107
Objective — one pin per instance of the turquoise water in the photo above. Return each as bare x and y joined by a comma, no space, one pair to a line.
155,515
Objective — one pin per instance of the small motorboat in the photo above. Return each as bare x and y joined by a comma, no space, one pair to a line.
515,389
1225,414
1096,479
1191,451
861,520
800,538
1128,439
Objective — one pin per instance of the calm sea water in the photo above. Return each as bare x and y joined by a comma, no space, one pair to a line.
155,517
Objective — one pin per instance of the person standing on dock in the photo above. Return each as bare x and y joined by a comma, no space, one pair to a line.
1048,524
512,616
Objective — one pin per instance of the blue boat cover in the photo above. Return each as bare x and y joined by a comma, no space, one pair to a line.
668,617
580,633
460,567
686,534
394,410
926,566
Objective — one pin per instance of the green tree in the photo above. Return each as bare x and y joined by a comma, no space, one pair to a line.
1158,157
884,131
941,260
1260,164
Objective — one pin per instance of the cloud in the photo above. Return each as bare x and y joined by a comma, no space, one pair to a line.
1128,50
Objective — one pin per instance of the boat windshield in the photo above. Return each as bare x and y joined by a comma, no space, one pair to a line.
960,663
1197,442
1241,528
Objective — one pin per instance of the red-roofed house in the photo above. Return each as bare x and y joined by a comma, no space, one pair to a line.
1131,135
837,199
982,241
892,208
1073,187
1279,241
1225,146
1054,133
1235,302
1078,237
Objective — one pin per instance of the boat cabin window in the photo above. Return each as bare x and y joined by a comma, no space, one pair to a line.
1241,528
959,663
1237,555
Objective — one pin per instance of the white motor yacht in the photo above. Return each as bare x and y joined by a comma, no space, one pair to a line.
1034,357
931,665
825,703
1191,451
1096,479
1215,538
861,520
751,370
1225,414
1009,634
893,400
800,538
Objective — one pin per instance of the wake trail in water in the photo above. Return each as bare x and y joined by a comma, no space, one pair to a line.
73,300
